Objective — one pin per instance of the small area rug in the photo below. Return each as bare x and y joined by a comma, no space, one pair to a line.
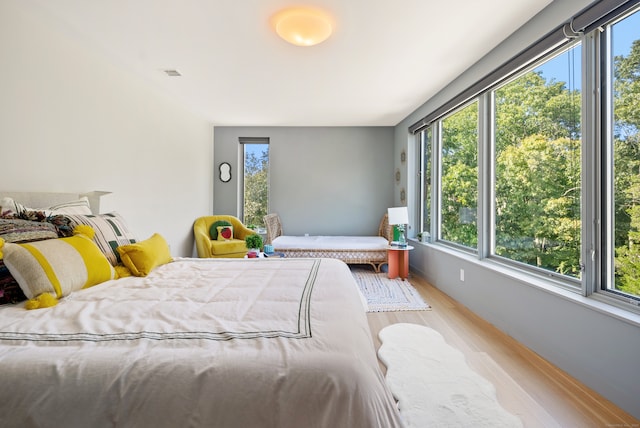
383,294
434,385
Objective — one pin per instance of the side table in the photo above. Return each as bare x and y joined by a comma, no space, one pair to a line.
398,261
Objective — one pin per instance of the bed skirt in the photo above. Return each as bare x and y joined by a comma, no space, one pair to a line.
375,258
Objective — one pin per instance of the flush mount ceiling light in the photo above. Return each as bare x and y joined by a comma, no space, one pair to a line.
302,26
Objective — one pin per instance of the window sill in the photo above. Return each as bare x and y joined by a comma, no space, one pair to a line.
596,302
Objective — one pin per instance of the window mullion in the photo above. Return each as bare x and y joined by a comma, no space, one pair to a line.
485,199
436,180
591,144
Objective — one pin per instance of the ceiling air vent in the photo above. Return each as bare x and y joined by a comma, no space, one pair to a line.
172,73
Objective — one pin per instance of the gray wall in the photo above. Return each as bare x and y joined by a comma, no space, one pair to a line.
593,342
323,180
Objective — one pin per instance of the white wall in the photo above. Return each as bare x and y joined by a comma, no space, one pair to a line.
592,342
70,121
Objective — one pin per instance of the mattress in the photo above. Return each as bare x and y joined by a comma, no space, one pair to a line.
364,243
198,342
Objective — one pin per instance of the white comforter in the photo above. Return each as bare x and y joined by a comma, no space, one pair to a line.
199,342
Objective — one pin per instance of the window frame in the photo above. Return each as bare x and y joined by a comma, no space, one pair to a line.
602,283
243,142
437,146
423,139
565,281
595,177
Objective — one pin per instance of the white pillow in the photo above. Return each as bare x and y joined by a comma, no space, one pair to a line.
9,206
80,206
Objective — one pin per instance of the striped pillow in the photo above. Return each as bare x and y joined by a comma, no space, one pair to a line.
8,206
57,266
80,206
111,232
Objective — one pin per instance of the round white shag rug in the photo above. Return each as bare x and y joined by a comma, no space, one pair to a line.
434,385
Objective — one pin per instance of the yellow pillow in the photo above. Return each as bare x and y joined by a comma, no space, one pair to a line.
225,233
142,257
50,269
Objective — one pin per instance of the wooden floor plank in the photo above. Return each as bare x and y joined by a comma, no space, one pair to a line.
526,384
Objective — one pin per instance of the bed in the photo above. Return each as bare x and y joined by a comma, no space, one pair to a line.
370,250
198,342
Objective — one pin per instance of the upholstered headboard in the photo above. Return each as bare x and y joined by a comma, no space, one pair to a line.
46,199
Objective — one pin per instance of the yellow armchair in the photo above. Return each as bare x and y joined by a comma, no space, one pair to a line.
208,247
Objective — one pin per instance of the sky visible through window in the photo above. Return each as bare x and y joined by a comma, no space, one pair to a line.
255,149
625,33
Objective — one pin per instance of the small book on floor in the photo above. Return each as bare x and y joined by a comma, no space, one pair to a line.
274,254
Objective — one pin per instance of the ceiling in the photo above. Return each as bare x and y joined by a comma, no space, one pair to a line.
384,59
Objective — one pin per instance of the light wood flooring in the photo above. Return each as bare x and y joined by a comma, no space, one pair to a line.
527,385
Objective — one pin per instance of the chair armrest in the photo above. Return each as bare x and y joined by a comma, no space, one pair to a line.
203,240
240,231
244,232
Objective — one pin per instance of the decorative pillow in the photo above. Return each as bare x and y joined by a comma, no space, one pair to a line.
225,233
10,291
9,207
111,232
19,231
213,230
16,230
142,257
46,270
61,223
81,206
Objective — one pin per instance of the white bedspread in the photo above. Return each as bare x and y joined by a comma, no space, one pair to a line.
330,243
199,342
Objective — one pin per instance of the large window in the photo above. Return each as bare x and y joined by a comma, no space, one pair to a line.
623,43
459,183
256,181
537,166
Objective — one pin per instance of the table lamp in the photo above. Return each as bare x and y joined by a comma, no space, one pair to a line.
399,217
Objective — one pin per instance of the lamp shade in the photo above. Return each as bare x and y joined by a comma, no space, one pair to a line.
398,215
302,26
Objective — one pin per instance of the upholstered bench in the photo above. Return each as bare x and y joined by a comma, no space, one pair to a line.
350,249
